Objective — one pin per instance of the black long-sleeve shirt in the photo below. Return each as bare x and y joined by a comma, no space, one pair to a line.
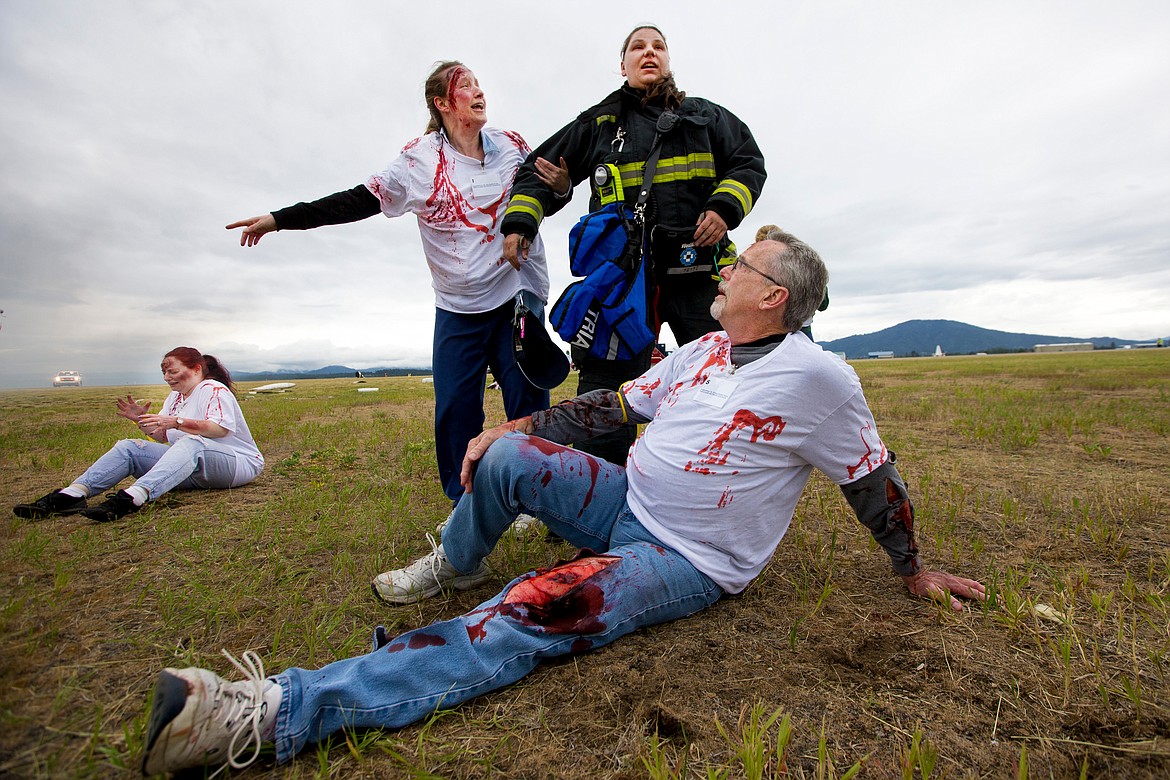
337,209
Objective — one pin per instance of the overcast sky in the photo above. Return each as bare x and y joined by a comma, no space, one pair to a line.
1004,164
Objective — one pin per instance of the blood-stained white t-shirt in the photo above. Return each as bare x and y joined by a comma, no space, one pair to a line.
719,469
459,202
213,401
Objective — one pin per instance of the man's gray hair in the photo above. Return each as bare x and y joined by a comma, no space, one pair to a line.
801,270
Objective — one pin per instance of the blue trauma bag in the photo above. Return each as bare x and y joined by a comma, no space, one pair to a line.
605,313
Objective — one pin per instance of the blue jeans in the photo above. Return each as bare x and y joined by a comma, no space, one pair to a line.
191,462
465,347
632,581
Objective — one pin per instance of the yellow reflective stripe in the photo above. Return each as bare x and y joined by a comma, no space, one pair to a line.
661,176
737,191
605,118
700,165
522,204
631,175
728,256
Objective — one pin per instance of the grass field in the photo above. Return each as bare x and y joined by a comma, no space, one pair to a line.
1044,475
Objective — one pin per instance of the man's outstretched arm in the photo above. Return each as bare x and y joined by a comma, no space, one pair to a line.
569,422
882,504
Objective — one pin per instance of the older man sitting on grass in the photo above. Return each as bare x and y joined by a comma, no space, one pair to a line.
735,423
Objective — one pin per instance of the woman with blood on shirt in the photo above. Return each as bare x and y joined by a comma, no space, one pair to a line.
200,440
456,179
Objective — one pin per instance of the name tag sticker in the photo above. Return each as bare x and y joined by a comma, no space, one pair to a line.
486,185
715,392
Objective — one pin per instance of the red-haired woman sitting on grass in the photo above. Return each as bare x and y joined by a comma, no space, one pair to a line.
200,440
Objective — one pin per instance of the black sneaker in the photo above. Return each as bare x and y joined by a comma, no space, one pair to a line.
55,503
115,506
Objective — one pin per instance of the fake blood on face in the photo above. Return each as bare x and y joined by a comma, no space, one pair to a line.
454,75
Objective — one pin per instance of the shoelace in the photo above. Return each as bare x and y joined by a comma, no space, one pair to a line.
251,711
112,502
438,557
434,561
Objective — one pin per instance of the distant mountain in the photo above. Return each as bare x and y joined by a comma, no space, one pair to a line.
920,337
907,339
328,372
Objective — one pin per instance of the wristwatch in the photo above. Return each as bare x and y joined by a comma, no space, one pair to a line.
180,422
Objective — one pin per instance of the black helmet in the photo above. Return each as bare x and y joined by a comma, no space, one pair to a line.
541,361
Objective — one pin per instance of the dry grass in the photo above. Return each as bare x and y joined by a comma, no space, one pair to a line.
1044,475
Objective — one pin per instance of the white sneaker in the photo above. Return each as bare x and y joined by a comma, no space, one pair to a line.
441,526
199,718
426,577
523,523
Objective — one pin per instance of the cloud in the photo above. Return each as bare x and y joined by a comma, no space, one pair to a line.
1005,166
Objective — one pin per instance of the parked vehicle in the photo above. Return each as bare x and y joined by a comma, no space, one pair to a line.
659,353
67,379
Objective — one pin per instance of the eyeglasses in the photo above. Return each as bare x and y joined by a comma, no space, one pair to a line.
740,261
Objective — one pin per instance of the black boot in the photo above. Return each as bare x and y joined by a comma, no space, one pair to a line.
115,506
55,503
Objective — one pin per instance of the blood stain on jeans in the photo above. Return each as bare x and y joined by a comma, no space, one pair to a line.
560,600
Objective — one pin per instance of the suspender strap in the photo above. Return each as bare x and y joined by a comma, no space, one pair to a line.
666,122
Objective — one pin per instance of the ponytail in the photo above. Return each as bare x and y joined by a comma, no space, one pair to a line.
213,369
667,89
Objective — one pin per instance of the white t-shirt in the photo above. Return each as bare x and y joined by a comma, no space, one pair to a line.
718,471
211,400
460,202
